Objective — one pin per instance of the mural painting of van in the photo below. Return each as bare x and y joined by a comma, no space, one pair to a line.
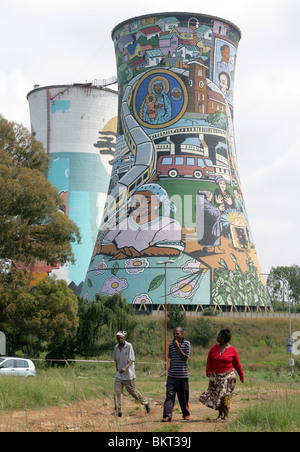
186,165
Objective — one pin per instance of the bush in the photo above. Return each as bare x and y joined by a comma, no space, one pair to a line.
176,317
211,312
203,332
146,338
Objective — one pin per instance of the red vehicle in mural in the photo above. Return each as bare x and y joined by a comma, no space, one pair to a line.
186,165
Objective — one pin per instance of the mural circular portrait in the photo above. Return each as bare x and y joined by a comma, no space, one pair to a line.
160,99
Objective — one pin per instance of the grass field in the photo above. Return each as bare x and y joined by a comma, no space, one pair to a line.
272,396
279,414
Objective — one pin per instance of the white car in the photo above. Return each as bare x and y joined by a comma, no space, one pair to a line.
18,367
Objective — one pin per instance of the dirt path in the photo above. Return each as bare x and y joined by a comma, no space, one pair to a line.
96,416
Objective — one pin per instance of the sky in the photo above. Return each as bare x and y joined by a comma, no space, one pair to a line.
54,42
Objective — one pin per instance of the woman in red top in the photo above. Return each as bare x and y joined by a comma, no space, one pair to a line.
222,359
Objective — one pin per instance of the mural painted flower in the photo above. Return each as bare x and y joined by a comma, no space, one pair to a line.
142,299
193,266
135,266
114,285
86,295
185,288
101,267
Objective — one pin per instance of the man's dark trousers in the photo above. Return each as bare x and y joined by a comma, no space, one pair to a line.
179,386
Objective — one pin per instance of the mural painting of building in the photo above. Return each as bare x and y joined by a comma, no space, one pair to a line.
175,195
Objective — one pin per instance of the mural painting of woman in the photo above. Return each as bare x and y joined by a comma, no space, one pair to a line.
222,195
145,232
160,110
211,235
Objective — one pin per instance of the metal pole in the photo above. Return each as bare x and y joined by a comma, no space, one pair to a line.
290,321
289,303
166,322
166,313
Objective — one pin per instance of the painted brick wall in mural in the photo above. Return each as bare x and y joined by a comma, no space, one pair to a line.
175,194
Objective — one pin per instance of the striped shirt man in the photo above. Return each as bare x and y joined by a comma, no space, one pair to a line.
178,366
178,381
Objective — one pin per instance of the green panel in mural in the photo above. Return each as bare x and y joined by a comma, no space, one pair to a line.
175,196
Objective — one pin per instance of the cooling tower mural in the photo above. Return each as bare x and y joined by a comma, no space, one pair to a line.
175,195
77,125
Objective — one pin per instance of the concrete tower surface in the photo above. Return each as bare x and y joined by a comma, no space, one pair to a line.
77,125
175,225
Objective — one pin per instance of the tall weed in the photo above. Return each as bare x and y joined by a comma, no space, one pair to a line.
281,414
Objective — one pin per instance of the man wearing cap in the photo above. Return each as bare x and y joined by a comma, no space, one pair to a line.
125,376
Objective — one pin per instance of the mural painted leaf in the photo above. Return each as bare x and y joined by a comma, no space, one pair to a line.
156,282
229,300
233,258
219,300
223,263
115,269
177,258
214,292
89,282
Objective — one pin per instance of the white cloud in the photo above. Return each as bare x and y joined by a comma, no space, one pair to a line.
13,90
2,83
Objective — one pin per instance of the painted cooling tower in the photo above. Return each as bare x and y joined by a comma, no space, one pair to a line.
77,125
175,197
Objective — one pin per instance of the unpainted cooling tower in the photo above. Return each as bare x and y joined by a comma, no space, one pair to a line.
175,227
77,125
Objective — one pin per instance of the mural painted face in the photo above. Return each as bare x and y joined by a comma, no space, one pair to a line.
173,192
224,82
144,207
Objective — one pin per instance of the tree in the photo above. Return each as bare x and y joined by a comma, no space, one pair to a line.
25,150
176,317
203,332
99,321
31,226
277,280
38,320
219,120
